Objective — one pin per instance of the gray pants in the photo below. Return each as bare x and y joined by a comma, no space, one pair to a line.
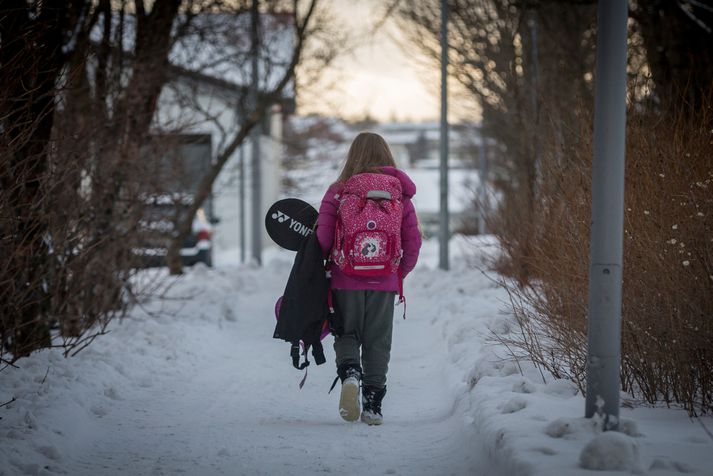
368,322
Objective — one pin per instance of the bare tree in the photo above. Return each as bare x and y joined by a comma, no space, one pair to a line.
528,65
78,148
36,41
306,24
678,39
75,112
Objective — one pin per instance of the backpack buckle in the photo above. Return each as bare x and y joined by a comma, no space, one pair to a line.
378,195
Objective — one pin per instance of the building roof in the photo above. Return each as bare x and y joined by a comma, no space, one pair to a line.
216,48
409,133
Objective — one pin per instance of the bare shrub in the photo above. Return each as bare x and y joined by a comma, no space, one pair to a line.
83,151
70,172
668,262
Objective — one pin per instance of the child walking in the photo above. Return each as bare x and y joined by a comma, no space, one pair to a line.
368,230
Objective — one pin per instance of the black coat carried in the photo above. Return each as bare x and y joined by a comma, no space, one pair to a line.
304,309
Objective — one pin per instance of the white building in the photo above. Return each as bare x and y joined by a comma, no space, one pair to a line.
207,95
415,147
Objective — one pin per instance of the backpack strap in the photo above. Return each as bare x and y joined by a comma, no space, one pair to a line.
318,353
402,298
295,354
330,299
334,384
304,379
330,302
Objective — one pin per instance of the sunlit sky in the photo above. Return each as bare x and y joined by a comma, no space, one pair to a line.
377,78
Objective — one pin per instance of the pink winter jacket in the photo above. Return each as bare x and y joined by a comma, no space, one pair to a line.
410,237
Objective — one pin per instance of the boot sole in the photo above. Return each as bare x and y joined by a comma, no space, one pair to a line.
371,421
349,401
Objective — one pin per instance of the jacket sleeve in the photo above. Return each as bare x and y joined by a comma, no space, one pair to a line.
327,220
410,238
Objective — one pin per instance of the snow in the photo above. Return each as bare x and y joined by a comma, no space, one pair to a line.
611,451
193,383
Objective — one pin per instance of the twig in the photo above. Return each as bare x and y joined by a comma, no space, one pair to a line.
82,344
694,18
696,3
7,363
501,340
45,377
8,403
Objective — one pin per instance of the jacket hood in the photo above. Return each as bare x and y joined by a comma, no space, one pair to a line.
408,188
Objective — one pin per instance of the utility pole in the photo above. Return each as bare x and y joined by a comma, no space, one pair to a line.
444,233
255,138
483,180
535,85
242,204
606,248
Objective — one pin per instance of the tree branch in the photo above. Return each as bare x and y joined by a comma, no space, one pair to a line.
252,119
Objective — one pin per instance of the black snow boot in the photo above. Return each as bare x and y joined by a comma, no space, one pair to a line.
371,398
350,375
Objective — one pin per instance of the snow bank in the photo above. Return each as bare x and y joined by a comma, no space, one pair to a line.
611,451
61,404
531,423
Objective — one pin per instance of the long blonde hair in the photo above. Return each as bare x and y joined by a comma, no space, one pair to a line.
368,152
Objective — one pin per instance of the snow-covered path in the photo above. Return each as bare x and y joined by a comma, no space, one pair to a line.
203,389
193,383
236,409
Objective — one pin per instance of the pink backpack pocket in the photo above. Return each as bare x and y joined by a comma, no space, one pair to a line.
368,230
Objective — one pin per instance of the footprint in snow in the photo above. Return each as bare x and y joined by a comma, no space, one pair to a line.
50,452
545,450
99,411
110,392
696,439
660,464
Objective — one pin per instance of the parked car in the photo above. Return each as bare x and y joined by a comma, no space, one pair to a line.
157,230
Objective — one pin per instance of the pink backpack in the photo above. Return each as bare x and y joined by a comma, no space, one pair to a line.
367,239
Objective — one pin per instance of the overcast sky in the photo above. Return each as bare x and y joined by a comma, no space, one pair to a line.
378,78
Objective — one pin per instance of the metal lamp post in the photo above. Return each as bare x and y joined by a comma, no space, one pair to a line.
444,233
606,251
